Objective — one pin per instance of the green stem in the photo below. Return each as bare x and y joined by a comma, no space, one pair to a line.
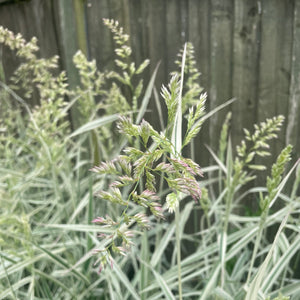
177,143
177,219
229,197
257,242
144,267
89,244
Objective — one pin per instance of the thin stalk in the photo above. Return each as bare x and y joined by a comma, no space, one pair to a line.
177,142
231,183
295,185
192,149
223,243
144,267
177,221
7,278
90,211
257,242
203,237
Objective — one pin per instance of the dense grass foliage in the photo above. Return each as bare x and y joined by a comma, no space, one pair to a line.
99,209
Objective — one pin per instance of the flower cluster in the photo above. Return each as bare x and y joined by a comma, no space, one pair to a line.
151,155
132,168
255,144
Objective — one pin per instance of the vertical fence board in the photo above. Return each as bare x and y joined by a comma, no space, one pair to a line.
293,124
268,61
273,86
245,66
157,45
79,8
199,36
284,50
66,27
100,42
137,30
173,33
156,12
268,66
221,63
34,18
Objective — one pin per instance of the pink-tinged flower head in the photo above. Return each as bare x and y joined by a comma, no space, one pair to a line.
128,234
165,167
157,210
102,235
149,195
94,252
187,165
100,269
121,250
99,220
188,186
142,220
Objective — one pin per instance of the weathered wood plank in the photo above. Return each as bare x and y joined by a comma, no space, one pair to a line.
293,123
175,33
245,66
137,25
155,12
79,9
284,50
221,21
273,84
64,15
31,19
100,41
199,36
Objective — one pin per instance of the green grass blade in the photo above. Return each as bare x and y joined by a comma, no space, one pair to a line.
63,263
123,278
211,283
212,112
185,214
222,294
147,96
282,263
145,254
78,227
159,110
163,285
166,238
216,158
19,267
284,181
54,280
15,287
94,124
292,289
255,286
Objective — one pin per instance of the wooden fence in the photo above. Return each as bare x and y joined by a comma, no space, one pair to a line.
245,49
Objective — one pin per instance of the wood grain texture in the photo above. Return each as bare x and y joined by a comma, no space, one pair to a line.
245,49
31,19
246,42
220,90
293,124
100,43
198,35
